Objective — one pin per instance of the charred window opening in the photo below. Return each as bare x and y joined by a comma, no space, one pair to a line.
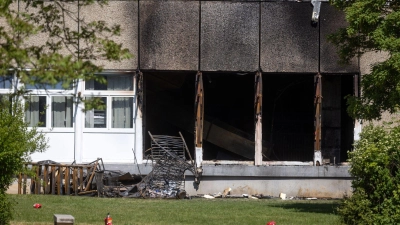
337,126
169,106
229,116
228,133
288,117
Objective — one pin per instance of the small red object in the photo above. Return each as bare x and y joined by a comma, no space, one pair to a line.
37,206
108,220
271,223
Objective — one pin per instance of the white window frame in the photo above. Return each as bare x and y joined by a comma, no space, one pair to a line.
109,94
49,94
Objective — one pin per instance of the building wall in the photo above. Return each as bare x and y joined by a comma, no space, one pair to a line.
276,37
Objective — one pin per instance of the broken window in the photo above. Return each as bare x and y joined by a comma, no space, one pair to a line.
229,128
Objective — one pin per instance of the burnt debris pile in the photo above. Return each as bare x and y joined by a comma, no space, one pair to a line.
166,180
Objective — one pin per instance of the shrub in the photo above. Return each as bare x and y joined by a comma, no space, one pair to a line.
376,185
5,209
17,142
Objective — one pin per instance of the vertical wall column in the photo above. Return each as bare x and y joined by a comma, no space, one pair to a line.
199,118
258,119
137,116
79,117
357,122
317,119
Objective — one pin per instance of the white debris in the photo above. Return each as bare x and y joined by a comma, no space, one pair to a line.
208,196
282,196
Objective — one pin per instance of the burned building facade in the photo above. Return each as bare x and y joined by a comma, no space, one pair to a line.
254,86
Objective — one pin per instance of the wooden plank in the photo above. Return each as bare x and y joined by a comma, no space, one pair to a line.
258,118
37,183
81,178
67,180
87,192
24,184
75,180
59,179
199,119
53,179
91,176
19,183
45,178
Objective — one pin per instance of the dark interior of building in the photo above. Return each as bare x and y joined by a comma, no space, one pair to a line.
288,113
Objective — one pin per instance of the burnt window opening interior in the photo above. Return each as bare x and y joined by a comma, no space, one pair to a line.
168,106
337,125
228,134
288,117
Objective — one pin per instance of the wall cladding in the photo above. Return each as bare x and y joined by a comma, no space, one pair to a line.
229,36
288,41
222,35
169,35
125,14
330,21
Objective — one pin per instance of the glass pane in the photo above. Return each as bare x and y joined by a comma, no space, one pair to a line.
35,114
61,111
5,82
97,118
57,86
122,112
114,83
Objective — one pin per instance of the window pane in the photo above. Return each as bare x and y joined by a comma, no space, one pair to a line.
5,82
57,86
122,112
61,111
97,118
114,83
35,114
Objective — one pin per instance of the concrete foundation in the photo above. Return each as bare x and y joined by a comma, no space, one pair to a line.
296,181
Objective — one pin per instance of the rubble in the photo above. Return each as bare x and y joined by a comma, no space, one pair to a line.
166,180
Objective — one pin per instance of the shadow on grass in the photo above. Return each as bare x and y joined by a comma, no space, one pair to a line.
310,207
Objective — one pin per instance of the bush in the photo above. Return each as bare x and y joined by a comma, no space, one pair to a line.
17,142
5,209
376,185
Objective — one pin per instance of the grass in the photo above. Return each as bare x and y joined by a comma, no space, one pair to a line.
126,211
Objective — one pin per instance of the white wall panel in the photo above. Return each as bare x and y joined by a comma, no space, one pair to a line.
61,148
111,147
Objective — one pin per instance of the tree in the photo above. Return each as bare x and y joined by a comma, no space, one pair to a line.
65,53
41,45
373,26
17,142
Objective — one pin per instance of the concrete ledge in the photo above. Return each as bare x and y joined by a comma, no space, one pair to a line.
300,180
277,171
251,170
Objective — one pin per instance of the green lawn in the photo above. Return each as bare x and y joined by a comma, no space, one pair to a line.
92,210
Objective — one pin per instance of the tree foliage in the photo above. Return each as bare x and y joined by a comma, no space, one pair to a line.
48,42
375,166
17,142
373,26
45,43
